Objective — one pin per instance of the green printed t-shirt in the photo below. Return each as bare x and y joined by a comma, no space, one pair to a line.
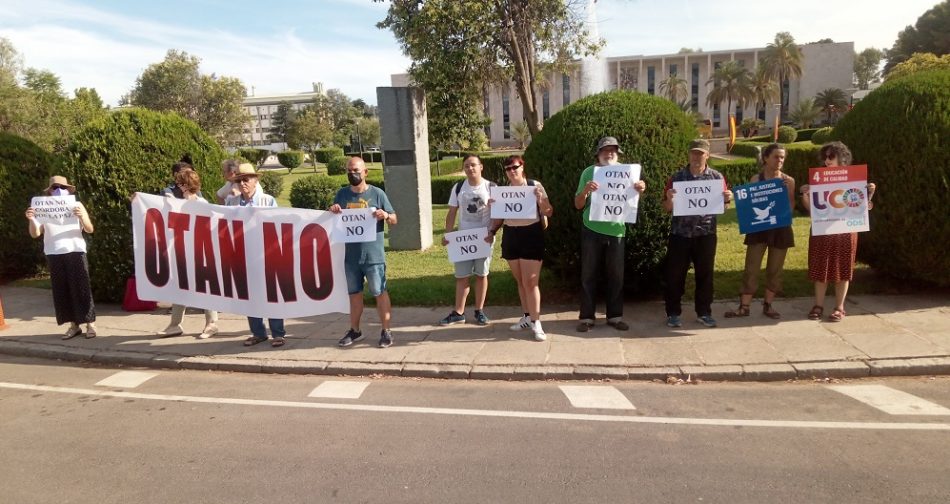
617,229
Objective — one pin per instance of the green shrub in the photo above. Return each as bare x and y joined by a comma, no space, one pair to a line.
445,166
747,149
822,136
314,191
736,171
337,165
272,183
652,131
25,169
325,154
442,188
253,155
805,134
787,134
111,159
900,130
290,159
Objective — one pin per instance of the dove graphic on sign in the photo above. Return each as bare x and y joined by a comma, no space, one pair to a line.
761,214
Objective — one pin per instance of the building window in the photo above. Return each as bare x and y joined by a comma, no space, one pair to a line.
566,90
785,99
672,68
545,104
505,113
651,80
694,88
738,114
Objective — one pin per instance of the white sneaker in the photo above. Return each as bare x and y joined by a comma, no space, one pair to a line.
172,330
538,331
209,331
522,324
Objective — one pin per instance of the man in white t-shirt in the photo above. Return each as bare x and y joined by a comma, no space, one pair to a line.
229,168
469,200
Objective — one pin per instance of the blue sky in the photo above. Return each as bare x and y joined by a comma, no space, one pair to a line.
283,46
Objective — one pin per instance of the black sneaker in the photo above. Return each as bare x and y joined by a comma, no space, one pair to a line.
352,336
385,338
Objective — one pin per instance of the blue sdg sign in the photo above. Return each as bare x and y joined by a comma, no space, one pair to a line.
762,205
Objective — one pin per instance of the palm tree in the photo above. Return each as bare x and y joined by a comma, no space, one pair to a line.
732,83
521,134
763,89
831,100
805,113
783,60
674,87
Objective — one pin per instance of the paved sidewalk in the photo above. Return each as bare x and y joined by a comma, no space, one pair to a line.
882,335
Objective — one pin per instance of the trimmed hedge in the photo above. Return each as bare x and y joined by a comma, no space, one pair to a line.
25,169
747,149
442,188
337,165
652,131
314,191
445,166
822,136
369,157
901,130
253,155
327,153
806,134
736,171
291,159
272,183
114,157
787,134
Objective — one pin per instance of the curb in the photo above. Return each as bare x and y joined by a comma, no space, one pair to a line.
918,366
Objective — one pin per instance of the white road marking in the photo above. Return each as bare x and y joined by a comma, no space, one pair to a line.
597,396
890,401
709,422
339,389
127,379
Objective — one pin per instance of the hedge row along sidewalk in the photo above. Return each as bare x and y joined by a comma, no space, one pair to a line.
883,335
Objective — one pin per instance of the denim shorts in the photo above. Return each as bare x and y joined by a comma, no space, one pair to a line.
375,275
477,267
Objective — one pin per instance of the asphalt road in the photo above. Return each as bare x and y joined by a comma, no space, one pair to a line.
186,436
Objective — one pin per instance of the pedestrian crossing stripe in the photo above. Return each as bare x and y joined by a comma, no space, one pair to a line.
339,389
126,379
599,397
890,401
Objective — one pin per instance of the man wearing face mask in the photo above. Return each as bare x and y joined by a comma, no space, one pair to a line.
366,260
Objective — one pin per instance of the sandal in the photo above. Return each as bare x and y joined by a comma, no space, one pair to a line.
741,311
90,332
278,341
816,312
770,312
253,340
836,315
72,332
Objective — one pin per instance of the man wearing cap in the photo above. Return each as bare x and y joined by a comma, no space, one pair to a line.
692,239
601,243
253,196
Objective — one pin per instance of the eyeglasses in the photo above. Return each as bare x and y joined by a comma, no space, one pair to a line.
512,167
829,155
57,186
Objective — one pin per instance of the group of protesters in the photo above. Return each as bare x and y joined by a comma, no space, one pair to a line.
692,241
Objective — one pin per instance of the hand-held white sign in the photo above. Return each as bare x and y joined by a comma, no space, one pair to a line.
54,209
514,202
615,199
355,225
467,245
698,197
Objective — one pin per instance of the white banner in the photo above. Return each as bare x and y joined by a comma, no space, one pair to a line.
259,262
698,197
514,202
55,210
355,225
615,199
467,245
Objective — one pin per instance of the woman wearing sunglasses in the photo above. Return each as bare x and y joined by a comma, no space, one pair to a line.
522,245
831,257
65,250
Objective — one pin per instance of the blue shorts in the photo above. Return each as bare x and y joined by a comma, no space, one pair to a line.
477,267
375,275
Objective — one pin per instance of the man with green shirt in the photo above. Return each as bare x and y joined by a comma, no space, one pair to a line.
602,245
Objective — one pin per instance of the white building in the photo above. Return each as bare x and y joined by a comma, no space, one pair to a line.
261,108
824,66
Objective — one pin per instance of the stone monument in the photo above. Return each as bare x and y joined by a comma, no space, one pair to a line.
404,133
